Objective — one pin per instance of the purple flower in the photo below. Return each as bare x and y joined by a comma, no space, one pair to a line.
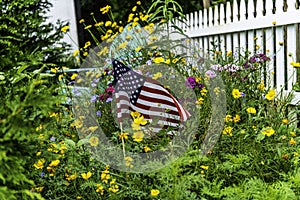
94,98
93,84
243,94
200,86
110,89
109,99
52,138
96,80
216,67
191,82
211,74
102,97
42,174
98,113
149,62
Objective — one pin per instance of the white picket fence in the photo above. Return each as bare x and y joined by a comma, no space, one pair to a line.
272,24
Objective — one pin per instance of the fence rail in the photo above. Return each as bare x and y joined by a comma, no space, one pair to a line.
273,25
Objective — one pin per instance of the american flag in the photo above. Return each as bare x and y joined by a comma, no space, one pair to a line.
135,92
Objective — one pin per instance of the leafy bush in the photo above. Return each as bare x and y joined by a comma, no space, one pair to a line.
28,47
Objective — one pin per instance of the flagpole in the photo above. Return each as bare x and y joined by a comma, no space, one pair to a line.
122,138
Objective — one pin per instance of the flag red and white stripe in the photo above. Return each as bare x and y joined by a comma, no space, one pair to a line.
135,92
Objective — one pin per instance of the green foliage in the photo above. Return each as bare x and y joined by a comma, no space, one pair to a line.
27,48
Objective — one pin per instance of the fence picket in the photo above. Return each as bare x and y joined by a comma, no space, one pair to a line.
210,17
222,14
259,9
250,9
279,68
269,51
216,15
269,8
243,11
291,45
228,14
235,11
279,6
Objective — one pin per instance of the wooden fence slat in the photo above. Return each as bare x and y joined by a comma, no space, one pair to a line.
196,22
242,11
235,11
291,46
269,7
279,68
279,7
269,46
259,9
216,15
210,17
250,9
205,18
222,14
228,13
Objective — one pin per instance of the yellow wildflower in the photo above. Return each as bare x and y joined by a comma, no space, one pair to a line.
100,189
228,118
76,52
285,121
123,135
204,167
86,176
54,70
293,134
229,53
292,141
268,131
261,86
138,136
105,9
54,163
295,64
147,149
137,122
236,93
251,110
200,101
81,21
122,45
88,27
138,2
134,8
39,164
203,91
93,128
73,77
138,49
157,75
158,60
271,95
99,24
135,114
237,118
154,192
65,29
130,17
108,23
94,141
87,44
227,130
